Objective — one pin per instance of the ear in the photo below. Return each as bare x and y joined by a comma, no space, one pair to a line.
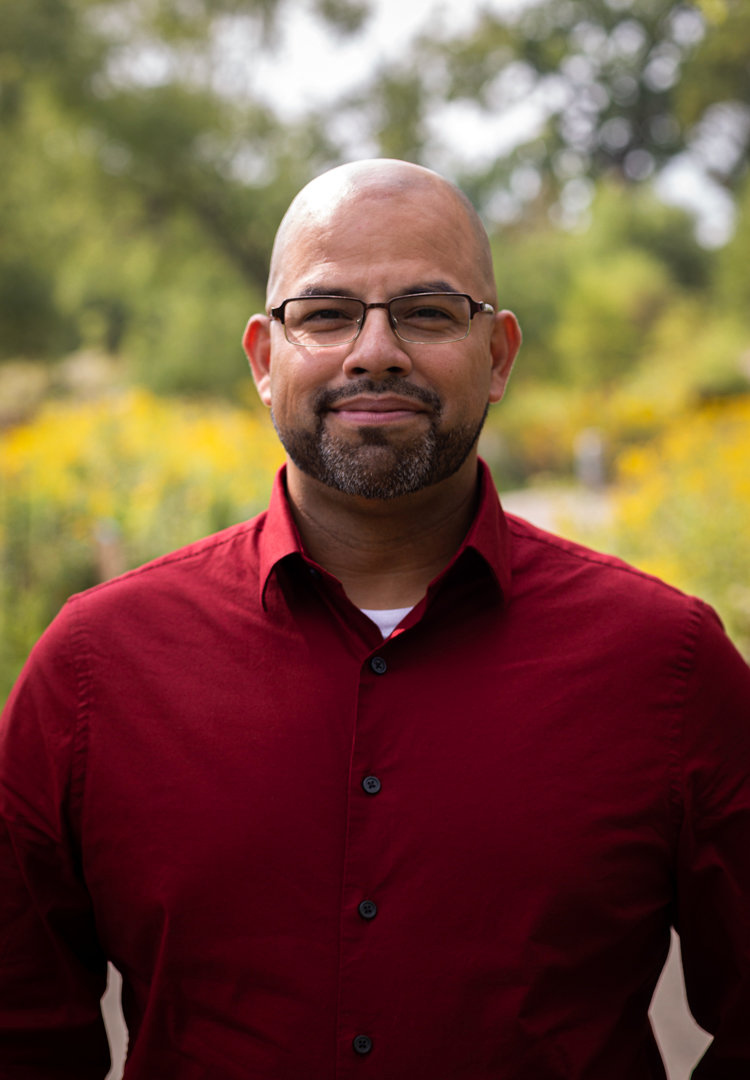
256,342
504,345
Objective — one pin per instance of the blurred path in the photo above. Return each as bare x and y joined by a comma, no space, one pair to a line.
681,1041
560,509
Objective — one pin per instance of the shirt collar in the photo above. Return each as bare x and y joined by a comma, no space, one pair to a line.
280,538
488,534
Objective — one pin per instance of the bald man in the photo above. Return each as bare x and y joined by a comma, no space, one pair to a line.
383,783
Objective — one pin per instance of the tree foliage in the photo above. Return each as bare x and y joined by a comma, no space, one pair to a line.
142,185
135,188
601,89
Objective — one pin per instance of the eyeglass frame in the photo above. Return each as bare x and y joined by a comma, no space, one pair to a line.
476,307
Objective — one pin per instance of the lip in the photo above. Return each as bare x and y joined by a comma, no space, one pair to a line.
384,409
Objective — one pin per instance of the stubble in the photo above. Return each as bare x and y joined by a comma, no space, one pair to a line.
376,464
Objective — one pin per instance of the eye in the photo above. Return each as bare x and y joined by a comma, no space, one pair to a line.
327,314
317,314
428,313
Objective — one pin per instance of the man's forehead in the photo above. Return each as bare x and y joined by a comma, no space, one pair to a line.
339,256
324,210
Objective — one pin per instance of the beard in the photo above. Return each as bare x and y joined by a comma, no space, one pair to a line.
375,466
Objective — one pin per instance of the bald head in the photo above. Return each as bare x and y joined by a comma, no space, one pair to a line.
319,204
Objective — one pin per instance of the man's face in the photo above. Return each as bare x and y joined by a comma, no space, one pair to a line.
380,417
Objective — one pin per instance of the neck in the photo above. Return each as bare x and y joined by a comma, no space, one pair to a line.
384,552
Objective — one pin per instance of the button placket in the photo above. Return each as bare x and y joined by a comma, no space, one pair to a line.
361,914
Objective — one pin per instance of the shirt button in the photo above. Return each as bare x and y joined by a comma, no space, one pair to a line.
372,785
378,665
362,1044
368,909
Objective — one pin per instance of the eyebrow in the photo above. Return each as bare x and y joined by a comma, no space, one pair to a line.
409,290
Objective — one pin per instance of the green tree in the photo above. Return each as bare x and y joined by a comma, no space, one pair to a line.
139,189
134,194
614,87
588,298
732,283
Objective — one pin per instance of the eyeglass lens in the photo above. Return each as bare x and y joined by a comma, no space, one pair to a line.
326,320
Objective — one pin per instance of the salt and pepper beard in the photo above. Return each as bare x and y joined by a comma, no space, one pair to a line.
374,467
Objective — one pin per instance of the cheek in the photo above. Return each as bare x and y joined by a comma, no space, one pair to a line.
467,392
291,395
297,376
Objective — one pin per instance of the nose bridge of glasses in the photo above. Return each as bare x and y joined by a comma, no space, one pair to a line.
386,306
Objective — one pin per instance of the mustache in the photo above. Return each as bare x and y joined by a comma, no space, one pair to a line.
324,399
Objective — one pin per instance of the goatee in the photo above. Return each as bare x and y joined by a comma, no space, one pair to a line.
375,466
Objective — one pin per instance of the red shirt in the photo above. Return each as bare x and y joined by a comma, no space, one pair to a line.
312,853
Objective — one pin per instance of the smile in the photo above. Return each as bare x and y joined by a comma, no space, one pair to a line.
386,409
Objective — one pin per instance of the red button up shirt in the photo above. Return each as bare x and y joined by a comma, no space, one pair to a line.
315,853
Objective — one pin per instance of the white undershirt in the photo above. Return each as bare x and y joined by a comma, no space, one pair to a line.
387,619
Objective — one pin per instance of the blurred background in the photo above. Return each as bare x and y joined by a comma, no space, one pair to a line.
148,150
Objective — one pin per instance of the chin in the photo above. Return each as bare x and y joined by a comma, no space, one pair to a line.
377,466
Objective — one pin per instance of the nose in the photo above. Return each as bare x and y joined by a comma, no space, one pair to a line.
377,351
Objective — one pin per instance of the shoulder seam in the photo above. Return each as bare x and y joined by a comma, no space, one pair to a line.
684,664
79,746
580,552
181,555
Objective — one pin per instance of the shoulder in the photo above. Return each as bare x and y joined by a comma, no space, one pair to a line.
579,588
212,565
544,559
585,601
179,602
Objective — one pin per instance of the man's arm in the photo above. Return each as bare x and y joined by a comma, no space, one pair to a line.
52,970
713,875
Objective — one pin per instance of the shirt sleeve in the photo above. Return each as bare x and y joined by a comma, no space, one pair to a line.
52,969
713,873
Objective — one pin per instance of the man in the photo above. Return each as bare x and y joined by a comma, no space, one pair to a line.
382,783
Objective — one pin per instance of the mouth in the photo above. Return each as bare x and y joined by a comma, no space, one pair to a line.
376,410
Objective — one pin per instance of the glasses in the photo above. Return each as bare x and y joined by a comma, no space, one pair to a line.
424,318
